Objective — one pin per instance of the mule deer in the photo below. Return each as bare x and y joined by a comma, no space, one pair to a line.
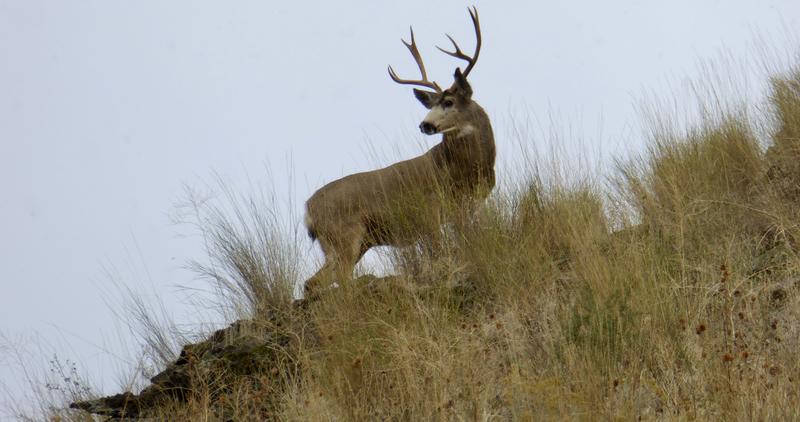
402,203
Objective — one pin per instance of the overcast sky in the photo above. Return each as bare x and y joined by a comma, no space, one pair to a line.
109,107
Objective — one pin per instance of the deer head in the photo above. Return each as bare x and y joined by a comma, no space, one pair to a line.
449,107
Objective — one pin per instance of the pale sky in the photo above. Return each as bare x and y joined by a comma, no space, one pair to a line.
109,107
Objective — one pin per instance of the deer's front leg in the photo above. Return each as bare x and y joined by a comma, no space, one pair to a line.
341,256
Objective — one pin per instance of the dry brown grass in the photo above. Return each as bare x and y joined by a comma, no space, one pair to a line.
675,295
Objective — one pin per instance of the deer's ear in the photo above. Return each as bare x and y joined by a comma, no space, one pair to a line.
462,84
425,97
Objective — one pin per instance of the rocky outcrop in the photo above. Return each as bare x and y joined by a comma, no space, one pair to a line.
245,348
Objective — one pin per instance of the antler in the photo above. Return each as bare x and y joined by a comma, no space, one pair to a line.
473,13
412,47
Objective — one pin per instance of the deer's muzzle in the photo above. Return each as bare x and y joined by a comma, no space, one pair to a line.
427,128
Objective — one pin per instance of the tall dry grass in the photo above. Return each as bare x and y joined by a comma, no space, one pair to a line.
671,291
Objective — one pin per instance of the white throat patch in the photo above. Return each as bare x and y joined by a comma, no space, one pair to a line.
466,130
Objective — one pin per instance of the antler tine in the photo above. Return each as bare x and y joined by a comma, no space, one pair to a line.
473,13
412,47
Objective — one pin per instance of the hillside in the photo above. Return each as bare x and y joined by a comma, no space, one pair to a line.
672,291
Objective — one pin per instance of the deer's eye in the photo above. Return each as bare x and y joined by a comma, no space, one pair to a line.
447,103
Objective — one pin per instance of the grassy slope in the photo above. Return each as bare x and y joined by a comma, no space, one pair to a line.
543,311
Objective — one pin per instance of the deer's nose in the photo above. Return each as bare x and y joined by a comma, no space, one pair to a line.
427,128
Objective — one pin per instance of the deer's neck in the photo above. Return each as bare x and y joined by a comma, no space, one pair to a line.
467,156
473,142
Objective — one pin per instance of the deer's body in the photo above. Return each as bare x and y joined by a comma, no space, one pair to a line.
399,204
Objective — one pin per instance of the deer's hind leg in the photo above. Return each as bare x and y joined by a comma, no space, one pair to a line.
342,252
